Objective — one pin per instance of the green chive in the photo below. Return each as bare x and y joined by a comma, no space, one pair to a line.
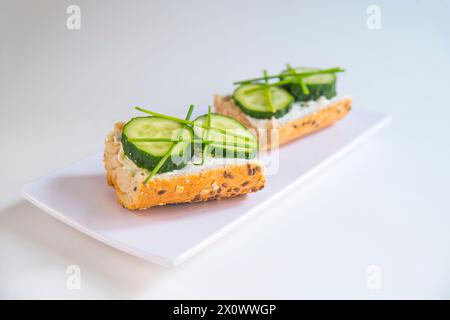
191,123
168,153
303,74
268,93
205,134
153,140
303,86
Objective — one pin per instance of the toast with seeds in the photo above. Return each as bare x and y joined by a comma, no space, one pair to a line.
159,160
273,134
300,101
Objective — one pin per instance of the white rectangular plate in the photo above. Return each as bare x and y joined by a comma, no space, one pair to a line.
79,196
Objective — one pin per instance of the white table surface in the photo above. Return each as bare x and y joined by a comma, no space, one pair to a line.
385,204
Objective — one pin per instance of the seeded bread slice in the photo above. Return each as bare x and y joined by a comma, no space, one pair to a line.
209,184
287,132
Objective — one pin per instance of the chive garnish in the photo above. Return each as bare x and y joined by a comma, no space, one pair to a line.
302,75
268,93
160,115
154,140
205,135
189,113
168,153
222,143
179,139
191,123
160,163
301,82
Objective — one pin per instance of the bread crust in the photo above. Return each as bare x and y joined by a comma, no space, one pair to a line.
285,133
209,184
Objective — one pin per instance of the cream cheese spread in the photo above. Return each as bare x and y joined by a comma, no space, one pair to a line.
298,110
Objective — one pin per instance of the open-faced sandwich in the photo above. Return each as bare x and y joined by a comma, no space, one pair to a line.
286,106
156,160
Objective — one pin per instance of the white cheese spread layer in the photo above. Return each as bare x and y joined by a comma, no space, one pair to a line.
191,167
298,110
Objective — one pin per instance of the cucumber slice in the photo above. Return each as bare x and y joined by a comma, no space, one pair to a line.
318,85
256,104
146,155
227,145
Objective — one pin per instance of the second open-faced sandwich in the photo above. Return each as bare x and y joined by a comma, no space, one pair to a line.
286,106
158,159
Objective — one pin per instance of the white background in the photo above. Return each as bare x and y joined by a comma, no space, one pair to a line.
385,204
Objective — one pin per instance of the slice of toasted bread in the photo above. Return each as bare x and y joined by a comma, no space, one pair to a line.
227,180
274,135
